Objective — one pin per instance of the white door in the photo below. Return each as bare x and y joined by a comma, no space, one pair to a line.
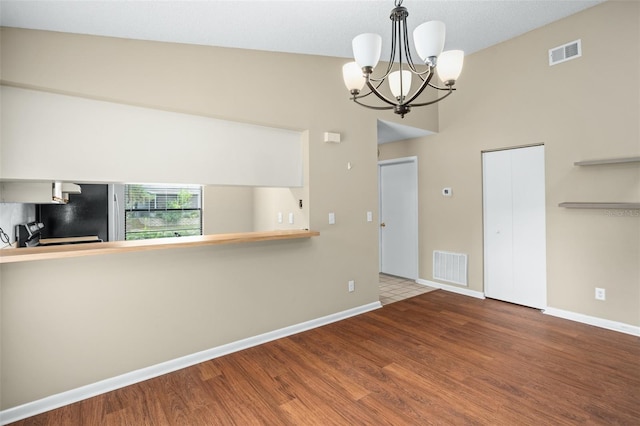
514,226
398,195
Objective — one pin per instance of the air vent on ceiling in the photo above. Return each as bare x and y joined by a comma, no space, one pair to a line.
565,52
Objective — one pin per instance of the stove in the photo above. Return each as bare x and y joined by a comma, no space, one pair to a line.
29,235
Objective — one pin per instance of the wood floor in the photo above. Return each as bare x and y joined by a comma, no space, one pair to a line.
437,358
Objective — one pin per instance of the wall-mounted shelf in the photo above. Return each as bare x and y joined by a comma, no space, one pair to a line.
591,205
607,161
596,205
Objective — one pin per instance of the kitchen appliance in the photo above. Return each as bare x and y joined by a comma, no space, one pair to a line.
30,235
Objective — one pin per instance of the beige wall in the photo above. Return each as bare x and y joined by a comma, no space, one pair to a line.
227,209
67,323
587,108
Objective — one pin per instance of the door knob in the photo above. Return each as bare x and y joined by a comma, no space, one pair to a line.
382,225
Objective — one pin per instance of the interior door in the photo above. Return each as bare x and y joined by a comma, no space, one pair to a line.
398,195
515,226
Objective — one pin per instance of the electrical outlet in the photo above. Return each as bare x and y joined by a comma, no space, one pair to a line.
352,286
600,294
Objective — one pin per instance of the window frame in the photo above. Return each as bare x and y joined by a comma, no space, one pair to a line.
148,195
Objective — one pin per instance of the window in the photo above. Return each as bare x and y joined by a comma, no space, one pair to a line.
159,211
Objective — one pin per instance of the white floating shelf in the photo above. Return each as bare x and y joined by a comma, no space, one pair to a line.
590,205
607,161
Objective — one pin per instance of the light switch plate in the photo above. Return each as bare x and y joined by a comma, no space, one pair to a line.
332,218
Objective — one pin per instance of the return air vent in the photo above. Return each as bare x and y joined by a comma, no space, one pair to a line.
565,52
450,267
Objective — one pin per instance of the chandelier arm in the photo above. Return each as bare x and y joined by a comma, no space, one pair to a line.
380,95
363,95
423,86
392,56
403,43
433,101
427,72
379,108
369,92
441,88
407,50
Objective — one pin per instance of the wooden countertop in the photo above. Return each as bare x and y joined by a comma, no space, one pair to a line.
26,254
92,238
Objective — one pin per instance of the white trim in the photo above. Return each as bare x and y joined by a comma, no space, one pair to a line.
451,288
412,159
78,394
595,321
573,316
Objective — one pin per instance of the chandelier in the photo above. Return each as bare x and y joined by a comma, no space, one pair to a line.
429,42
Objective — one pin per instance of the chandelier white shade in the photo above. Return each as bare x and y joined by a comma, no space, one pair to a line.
429,40
450,65
366,49
400,86
352,75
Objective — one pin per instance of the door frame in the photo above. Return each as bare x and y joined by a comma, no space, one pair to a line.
414,219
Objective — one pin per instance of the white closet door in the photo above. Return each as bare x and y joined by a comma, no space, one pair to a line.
514,226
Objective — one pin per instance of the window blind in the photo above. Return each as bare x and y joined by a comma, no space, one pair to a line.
160,211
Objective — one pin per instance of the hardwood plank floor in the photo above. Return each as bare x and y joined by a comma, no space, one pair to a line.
437,358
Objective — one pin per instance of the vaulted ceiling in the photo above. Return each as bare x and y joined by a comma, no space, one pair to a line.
315,27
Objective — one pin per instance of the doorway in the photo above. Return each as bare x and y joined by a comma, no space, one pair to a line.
398,198
515,226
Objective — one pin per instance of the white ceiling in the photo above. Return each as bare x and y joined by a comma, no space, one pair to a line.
316,27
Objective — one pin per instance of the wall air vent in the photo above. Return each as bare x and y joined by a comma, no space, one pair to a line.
450,267
565,52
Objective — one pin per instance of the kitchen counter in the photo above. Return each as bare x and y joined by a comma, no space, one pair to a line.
26,254
70,240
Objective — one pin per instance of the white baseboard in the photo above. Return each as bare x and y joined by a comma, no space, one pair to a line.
598,322
573,316
74,395
451,288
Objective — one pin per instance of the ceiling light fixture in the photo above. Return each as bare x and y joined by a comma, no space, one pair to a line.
429,42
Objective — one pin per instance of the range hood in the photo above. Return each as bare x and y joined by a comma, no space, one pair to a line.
38,192
61,191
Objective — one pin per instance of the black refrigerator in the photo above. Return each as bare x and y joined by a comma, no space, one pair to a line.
85,214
